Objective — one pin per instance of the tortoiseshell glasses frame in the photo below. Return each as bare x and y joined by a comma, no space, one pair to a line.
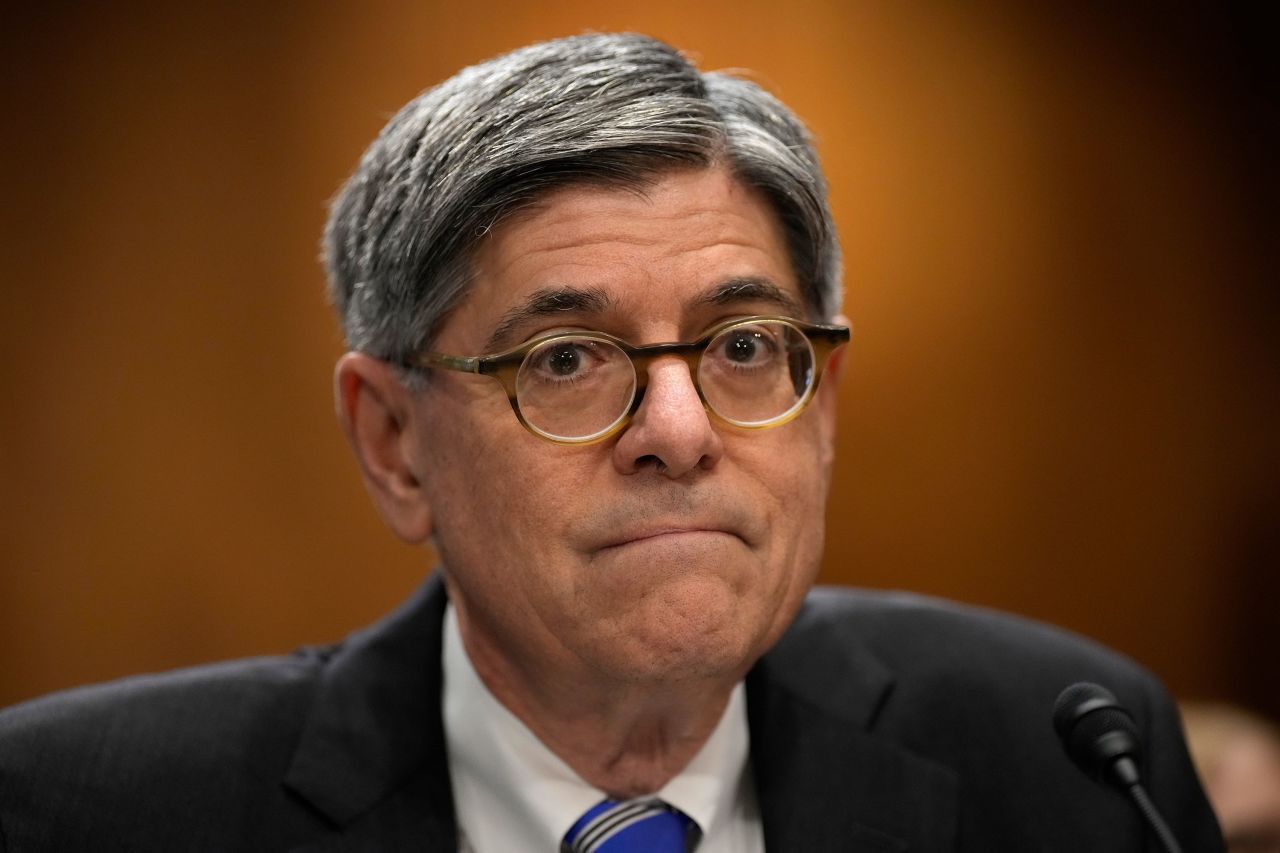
808,347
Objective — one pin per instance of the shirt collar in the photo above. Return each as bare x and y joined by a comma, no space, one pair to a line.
499,767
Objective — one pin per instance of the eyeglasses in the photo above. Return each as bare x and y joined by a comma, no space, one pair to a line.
582,387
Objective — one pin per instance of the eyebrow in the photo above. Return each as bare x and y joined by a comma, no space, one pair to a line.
547,302
550,301
754,289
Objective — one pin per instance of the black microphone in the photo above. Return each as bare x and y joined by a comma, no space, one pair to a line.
1101,738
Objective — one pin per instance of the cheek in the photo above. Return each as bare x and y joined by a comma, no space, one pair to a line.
501,496
797,468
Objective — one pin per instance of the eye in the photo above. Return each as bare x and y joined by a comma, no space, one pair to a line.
564,361
740,348
745,347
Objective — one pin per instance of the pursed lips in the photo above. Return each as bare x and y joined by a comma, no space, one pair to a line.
646,534
646,517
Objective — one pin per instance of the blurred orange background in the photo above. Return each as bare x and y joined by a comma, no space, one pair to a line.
1061,398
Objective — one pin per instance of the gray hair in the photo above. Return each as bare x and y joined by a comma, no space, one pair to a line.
597,109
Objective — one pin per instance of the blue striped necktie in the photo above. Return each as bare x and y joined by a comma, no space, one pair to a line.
644,825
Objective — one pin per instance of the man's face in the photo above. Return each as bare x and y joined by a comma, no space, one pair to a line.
680,547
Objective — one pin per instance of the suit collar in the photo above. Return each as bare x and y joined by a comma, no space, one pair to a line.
371,757
826,780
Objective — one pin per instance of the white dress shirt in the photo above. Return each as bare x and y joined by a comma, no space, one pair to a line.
511,793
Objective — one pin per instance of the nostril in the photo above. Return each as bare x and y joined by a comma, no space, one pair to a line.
650,460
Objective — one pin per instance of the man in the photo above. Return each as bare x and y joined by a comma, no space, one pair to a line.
1237,754
591,299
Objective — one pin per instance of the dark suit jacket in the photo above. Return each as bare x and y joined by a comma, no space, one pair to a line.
879,723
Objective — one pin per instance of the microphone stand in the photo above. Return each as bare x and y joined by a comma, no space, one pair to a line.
1125,772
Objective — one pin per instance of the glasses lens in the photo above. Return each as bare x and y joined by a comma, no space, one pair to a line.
756,373
575,387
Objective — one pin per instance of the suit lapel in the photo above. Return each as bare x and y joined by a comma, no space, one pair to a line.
371,759
825,781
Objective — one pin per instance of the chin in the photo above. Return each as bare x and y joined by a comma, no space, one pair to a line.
704,634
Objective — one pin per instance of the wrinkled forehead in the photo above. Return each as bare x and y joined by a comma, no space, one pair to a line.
665,258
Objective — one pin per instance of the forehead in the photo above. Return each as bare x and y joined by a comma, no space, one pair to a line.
682,251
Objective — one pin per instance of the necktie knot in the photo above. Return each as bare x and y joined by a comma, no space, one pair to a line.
642,825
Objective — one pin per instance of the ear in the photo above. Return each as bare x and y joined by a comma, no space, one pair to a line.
828,397
376,412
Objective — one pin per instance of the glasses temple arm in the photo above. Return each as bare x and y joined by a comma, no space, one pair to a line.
466,364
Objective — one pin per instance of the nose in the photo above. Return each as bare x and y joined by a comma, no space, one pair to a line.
671,431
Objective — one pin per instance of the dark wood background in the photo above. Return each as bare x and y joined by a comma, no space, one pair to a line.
1061,399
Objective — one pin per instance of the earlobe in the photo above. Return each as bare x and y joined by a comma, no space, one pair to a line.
376,413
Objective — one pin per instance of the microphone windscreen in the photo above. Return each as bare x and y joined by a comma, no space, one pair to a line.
1094,728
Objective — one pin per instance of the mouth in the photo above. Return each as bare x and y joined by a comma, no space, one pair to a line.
666,534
